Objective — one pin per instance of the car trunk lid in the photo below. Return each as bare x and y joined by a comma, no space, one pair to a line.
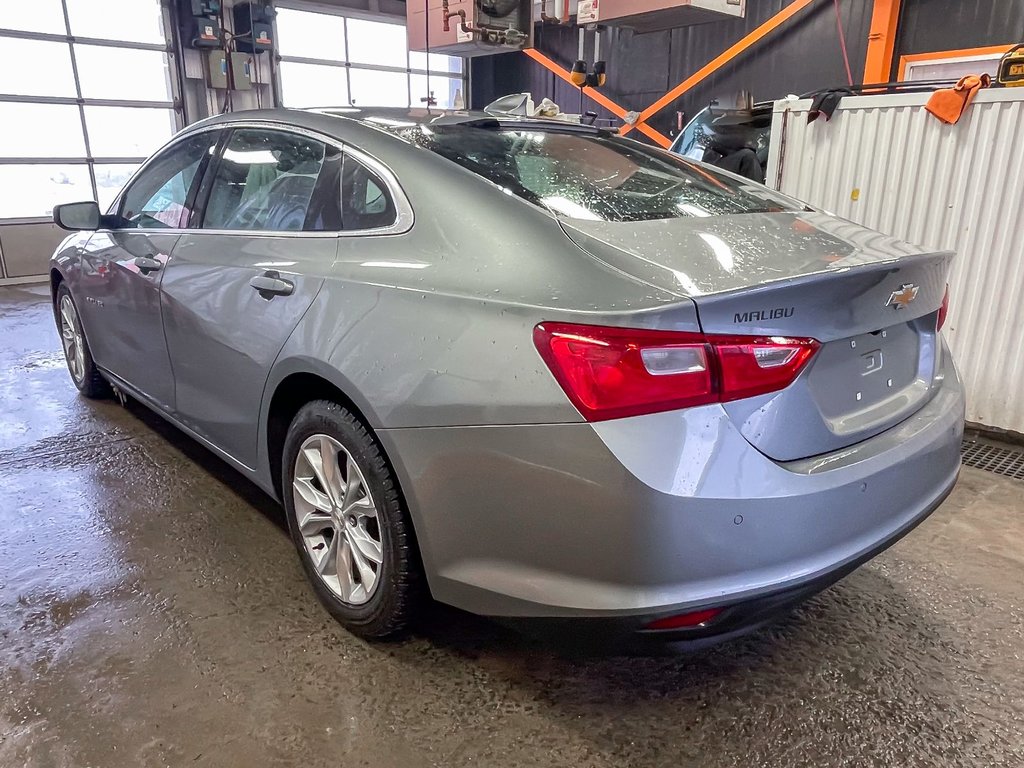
870,300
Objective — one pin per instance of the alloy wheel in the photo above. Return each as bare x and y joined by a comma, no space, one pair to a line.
71,338
337,519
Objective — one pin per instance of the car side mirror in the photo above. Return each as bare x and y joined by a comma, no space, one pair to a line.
77,216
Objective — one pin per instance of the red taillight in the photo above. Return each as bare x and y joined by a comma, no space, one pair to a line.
755,366
610,373
605,373
943,310
684,620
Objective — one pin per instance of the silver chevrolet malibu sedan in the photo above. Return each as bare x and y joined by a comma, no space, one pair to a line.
523,366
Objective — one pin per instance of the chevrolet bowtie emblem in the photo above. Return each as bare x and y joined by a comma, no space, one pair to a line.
901,298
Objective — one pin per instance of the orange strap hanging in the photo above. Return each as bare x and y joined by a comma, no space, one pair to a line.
948,104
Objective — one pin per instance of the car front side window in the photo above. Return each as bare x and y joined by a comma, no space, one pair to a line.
161,196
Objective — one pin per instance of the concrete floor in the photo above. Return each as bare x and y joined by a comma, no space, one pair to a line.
153,612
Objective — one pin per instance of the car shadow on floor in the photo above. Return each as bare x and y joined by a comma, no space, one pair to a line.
863,649
859,629
207,461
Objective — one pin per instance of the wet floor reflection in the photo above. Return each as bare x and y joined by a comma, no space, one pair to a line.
153,612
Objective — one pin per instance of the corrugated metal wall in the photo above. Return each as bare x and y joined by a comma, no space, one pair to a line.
884,162
802,56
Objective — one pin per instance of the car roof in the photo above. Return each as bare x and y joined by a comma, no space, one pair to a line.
378,130
391,118
434,115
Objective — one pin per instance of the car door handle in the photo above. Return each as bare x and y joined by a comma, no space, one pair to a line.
270,284
147,264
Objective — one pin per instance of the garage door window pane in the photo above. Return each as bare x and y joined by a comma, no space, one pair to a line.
371,42
435,62
122,73
34,16
371,87
447,90
313,85
311,35
41,130
110,179
128,131
35,68
136,21
33,190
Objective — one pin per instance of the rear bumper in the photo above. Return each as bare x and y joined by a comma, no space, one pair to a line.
650,516
738,617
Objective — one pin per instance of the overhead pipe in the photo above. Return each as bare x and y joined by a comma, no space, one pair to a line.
596,76
579,67
446,15
599,76
495,36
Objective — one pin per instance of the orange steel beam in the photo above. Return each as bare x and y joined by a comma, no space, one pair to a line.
722,59
594,94
881,41
644,128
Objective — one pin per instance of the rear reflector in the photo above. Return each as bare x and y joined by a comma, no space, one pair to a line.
611,373
684,620
943,310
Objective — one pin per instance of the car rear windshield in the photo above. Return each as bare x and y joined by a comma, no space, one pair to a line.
594,175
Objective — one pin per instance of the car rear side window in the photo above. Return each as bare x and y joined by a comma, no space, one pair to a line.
581,174
160,196
366,202
265,180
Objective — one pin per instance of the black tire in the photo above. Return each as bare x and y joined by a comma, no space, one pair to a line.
91,383
397,592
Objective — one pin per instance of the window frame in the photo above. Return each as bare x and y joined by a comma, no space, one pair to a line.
404,215
65,34
347,65
982,55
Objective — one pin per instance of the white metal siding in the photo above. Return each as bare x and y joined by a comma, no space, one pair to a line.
884,162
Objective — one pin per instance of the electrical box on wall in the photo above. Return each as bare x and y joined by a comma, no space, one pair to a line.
217,72
253,27
236,75
241,71
469,27
200,27
201,32
653,15
203,7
